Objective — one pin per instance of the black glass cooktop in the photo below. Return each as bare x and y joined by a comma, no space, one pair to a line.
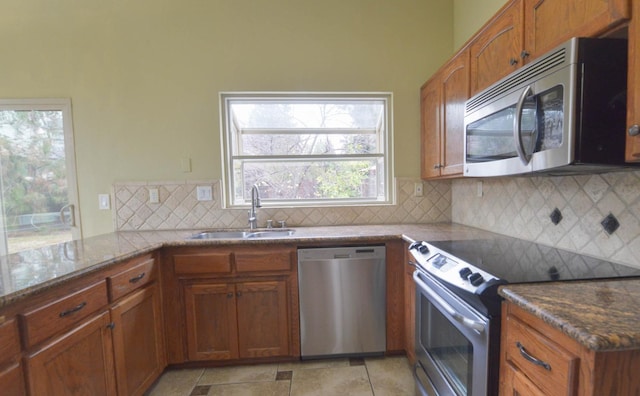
519,261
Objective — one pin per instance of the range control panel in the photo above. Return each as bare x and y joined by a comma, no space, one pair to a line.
448,268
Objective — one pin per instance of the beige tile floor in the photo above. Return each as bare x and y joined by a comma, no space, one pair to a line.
389,376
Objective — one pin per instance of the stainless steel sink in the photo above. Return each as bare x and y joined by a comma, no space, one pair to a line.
266,233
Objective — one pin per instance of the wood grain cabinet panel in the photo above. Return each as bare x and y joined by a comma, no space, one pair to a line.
62,313
211,324
549,23
11,372
133,278
538,359
138,341
496,51
80,362
263,320
442,127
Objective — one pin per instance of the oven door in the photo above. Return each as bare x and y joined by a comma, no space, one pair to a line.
452,342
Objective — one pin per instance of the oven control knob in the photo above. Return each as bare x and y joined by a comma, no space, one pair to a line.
476,279
423,249
465,272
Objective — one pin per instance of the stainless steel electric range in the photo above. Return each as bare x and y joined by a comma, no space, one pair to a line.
458,306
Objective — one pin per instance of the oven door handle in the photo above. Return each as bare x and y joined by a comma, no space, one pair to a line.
470,323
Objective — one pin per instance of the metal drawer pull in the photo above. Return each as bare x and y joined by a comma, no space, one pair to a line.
72,310
530,358
137,278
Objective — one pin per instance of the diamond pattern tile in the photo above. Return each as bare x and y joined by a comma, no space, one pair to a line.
179,209
520,207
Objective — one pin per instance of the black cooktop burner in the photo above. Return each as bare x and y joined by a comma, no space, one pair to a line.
519,261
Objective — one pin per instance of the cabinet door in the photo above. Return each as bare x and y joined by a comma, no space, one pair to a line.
455,91
430,128
212,331
633,84
12,380
263,319
496,51
551,22
138,341
514,383
79,362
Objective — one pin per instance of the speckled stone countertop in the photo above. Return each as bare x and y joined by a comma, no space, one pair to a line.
601,315
29,272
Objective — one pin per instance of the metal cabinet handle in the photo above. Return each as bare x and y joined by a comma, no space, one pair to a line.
634,130
532,359
229,295
239,294
137,278
72,310
513,61
524,54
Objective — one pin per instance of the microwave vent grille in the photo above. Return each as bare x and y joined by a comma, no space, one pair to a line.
540,67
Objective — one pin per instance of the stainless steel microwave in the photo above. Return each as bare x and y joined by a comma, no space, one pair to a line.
563,113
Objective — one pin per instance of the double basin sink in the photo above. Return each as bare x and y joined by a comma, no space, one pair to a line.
244,234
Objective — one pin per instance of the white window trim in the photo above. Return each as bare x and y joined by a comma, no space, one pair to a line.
226,155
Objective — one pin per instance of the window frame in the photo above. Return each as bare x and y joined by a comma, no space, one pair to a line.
386,145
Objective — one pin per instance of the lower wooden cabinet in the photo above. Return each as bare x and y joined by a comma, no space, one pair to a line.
80,362
538,359
237,320
11,373
138,341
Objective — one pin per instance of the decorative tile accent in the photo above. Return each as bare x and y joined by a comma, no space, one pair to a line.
179,209
520,207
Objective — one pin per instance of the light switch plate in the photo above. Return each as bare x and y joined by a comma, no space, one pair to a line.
104,202
418,189
204,193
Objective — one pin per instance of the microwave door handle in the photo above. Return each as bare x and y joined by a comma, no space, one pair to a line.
517,128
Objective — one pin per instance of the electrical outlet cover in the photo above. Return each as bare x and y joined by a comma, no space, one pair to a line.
204,193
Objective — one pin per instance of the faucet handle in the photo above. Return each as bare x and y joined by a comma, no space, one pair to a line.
269,223
282,223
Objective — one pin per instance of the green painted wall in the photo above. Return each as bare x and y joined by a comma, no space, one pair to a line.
469,16
144,76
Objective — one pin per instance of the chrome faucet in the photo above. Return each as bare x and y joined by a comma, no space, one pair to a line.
255,203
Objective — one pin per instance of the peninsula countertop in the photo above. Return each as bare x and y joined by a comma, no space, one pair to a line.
601,315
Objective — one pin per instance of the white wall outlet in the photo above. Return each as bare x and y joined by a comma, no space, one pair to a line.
104,201
418,189
154,196
204,193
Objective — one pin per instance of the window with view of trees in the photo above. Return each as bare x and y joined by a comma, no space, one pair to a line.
307,149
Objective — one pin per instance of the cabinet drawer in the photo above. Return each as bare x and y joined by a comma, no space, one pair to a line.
202,263
131,279
9,341
279,260
556,370
61,314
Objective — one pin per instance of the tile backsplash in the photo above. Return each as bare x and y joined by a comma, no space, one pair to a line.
179,209
522,207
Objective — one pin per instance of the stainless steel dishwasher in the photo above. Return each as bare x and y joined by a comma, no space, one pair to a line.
342,301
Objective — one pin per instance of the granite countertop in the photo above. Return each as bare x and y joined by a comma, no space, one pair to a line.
27,273
601,315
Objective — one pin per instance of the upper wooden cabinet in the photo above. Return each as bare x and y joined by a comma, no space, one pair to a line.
524,29
496,51
442,113
551,22
633,88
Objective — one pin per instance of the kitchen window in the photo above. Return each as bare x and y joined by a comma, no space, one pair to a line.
311,149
